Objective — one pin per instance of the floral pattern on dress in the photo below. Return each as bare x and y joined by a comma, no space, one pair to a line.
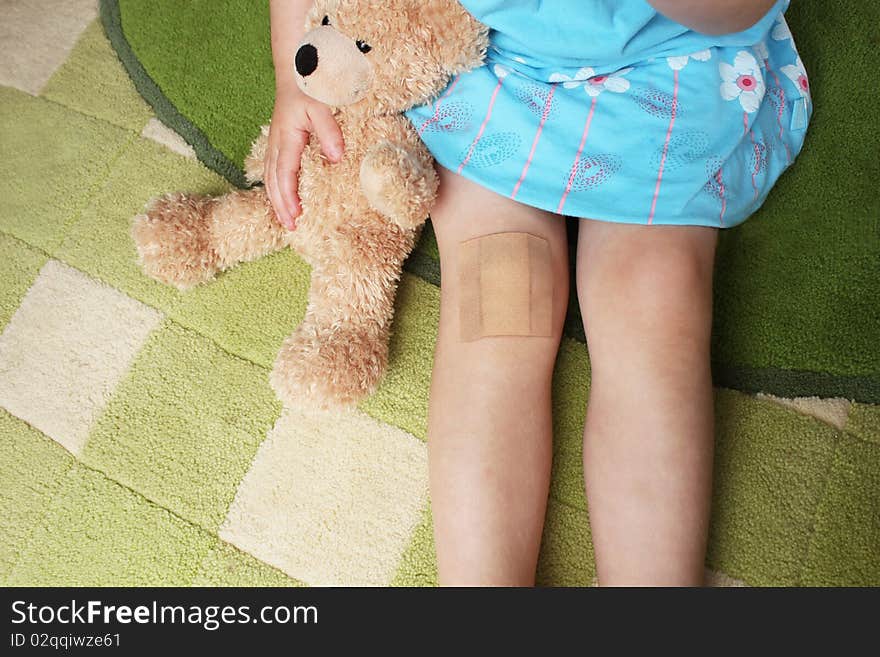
761,51
678,63
594,84
781,31
743,81
798,74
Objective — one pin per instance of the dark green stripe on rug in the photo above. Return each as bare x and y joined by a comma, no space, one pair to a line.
797,305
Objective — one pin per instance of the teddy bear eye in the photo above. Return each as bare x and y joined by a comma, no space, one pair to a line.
363,47
325,20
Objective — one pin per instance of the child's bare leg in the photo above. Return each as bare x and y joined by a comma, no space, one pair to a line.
489,426
646,298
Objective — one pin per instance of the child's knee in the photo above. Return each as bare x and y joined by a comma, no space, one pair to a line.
506,287
504,266
654,303
644,270
509,283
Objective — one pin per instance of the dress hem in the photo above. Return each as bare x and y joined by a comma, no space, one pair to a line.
730,221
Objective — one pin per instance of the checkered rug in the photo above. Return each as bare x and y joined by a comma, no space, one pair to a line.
140,443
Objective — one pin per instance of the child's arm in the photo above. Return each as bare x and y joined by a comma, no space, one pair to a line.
714,16
296,115
287,20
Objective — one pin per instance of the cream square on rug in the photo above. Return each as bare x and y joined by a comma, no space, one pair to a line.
36,36
66,348
331,499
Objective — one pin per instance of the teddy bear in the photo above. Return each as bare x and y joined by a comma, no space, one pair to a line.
369,60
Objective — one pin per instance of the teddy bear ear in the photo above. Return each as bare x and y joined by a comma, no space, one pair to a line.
458,40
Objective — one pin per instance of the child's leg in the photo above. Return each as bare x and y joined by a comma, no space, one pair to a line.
489,424
646,297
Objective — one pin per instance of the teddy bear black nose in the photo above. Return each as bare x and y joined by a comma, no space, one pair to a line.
306,59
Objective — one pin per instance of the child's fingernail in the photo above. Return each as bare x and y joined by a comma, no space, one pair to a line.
335,153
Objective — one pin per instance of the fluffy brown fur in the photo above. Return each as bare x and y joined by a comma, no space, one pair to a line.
360,217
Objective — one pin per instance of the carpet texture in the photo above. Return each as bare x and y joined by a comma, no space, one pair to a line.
141,444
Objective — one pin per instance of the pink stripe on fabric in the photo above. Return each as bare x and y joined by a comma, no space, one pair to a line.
577,156
665,150
436,116
482,126
757,163
544,116
781,110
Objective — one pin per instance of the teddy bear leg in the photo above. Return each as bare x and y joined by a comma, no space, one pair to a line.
339,353
244,227
185,239
330,367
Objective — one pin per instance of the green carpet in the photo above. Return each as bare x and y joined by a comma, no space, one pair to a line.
797,307
141,444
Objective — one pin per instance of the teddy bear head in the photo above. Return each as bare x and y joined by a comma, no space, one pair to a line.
385,56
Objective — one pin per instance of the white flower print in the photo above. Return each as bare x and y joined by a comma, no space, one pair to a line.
743,80
614,82
594,84
798,74
501,72
781,32
678,63
761,50
579,78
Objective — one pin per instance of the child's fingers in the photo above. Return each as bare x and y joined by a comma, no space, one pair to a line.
327,130
270,180
287,171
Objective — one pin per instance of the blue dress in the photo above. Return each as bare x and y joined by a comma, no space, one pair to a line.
606,109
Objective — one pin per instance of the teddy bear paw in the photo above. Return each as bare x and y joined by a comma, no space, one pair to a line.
396,183
173,240
329,368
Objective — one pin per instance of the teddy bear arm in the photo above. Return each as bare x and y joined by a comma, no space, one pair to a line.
400,182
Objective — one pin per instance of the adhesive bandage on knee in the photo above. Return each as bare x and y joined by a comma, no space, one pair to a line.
506,286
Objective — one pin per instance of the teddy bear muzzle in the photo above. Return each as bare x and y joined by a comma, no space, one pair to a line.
332,68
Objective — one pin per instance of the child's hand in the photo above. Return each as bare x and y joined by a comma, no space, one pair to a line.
295,117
